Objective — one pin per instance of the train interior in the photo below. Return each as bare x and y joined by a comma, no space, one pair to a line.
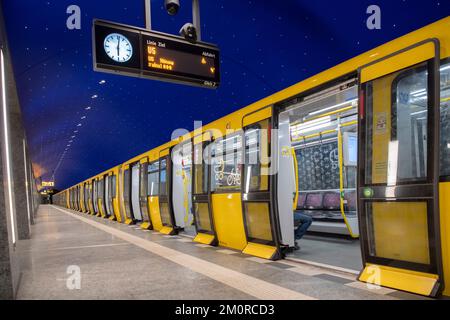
321,132
182,188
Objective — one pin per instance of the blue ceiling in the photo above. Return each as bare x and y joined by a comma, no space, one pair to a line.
265,47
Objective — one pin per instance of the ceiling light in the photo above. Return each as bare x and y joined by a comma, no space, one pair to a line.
418,112
94,96
352,102
102,82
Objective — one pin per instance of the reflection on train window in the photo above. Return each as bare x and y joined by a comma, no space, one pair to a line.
162,177
200,169
445,120
113,186
397,135
100,188
226,160
153,179
257,157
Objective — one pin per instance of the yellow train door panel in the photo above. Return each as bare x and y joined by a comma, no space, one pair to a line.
398,185
225,178
258,217
153,191
201,194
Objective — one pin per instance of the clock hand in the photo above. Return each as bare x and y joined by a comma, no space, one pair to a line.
118,47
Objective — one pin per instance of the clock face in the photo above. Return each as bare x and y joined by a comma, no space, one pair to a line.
118,47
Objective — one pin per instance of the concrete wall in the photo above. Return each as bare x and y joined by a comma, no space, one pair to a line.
19,199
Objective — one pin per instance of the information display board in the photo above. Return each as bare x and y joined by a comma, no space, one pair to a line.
138,52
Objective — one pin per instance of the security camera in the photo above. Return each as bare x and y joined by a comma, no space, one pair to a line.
189,32
172,6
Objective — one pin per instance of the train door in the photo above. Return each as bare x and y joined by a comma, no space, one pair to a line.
80,198
226,154
182,186
398,179
108,202
165,191
135,191
115,210
89,195
85,197
261,227
95,196
201,191
101,197
153,195
77,198
127,194
316,175
143,194
67,199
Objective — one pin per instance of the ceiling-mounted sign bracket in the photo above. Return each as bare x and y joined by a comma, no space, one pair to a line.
195,16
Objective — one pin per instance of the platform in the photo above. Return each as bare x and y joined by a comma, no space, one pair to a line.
342,252
117,261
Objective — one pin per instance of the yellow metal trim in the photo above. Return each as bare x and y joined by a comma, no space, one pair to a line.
143,160
128,221
126,167
444,208
166,230
260,250
294,158
398,62
146,225
164,153
401,279
112,218
257,116
204,238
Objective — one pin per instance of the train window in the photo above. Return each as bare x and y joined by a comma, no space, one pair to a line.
153,179
113,186
226,160
257,157
400,132
445,120
163,178
200,169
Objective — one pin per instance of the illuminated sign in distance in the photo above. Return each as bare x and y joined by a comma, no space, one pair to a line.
48,184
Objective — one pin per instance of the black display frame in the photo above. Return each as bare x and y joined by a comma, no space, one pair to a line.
136,67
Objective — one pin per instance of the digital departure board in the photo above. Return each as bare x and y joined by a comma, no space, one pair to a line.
132,51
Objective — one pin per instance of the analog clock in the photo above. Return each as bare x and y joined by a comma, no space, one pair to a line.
118,47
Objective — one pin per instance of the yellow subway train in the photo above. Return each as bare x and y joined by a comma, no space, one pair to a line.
362,148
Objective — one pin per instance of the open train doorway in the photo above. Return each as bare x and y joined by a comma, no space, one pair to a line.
317,175
182,188
135,192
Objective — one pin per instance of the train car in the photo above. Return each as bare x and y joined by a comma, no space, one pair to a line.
363,149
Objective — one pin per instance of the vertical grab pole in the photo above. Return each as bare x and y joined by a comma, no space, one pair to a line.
148,14
196,18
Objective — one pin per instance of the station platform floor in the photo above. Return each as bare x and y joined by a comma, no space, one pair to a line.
341,253
116,261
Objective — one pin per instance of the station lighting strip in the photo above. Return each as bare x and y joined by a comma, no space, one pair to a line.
73,135
25,161
7,152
